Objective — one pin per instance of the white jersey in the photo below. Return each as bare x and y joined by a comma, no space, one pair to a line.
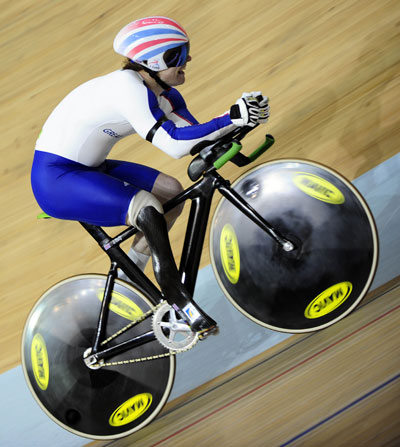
91,119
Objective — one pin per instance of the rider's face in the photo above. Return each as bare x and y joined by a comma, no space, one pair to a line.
175,75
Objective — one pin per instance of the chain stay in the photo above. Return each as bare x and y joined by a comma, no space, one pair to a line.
139,360
133,323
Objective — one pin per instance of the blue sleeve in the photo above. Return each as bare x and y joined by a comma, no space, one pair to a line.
177,140
179,105
194,130
197,130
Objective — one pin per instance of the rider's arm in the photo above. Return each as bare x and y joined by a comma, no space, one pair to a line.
175,136
178,106
177,141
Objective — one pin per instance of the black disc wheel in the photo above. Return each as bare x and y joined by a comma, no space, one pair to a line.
336,247
104,403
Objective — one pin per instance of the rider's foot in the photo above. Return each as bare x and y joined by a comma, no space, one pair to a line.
198,320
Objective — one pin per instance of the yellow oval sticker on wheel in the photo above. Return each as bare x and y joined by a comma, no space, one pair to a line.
122,305
329,300
40,361
130,410
230,255
318,188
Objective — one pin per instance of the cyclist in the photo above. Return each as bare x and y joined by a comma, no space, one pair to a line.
72,178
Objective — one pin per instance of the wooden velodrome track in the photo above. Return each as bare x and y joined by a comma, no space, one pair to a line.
331,69
338,387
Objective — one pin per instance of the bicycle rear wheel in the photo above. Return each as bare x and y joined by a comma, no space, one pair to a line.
105,403
336,241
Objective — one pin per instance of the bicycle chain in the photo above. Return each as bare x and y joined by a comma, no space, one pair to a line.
141,359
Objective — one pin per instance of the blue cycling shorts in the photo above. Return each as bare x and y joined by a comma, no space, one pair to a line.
98,195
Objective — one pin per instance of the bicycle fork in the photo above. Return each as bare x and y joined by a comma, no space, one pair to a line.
232,196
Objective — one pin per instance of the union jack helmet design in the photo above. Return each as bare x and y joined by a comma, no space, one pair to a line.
155,42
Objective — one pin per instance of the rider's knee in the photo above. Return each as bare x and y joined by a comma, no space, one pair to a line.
166,187
174,187
141,200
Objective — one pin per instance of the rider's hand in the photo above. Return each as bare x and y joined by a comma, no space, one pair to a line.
251,109
245,111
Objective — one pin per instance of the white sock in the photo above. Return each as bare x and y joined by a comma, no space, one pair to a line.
140,259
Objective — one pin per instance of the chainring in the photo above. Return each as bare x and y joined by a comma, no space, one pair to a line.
172,331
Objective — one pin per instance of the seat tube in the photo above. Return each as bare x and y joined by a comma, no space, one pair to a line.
195,232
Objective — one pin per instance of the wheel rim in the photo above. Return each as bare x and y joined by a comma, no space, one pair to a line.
98,404
302,200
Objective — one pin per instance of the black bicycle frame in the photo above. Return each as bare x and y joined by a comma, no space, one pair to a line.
201,195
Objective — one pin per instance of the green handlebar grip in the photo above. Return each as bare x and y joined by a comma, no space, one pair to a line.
269,141
236,147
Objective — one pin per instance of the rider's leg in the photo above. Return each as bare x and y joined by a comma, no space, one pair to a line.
154,227
165,188
150,220
69,190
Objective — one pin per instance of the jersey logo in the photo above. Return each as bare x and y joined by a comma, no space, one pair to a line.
111,133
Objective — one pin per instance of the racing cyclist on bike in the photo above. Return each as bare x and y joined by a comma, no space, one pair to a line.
72,178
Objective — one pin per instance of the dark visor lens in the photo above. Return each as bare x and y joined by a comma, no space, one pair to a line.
176,57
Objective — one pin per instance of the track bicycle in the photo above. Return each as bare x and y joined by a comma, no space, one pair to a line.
293,246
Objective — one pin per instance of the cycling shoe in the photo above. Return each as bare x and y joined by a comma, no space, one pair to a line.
198,320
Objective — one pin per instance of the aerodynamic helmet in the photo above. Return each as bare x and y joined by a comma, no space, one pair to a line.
156,43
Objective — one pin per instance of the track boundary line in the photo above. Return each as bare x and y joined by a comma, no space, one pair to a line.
342,410
273,356
287,371
278,353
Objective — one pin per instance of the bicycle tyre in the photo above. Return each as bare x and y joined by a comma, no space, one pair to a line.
107,403
334,264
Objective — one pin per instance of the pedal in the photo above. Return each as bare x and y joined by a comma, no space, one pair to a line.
213,331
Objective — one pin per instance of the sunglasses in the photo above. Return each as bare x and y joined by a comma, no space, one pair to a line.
176,57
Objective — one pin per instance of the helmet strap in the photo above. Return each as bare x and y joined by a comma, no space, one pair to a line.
154,75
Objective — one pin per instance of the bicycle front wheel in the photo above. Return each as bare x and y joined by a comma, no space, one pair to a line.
334,233
105,403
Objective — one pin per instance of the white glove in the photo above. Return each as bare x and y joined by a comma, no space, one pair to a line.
249,110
